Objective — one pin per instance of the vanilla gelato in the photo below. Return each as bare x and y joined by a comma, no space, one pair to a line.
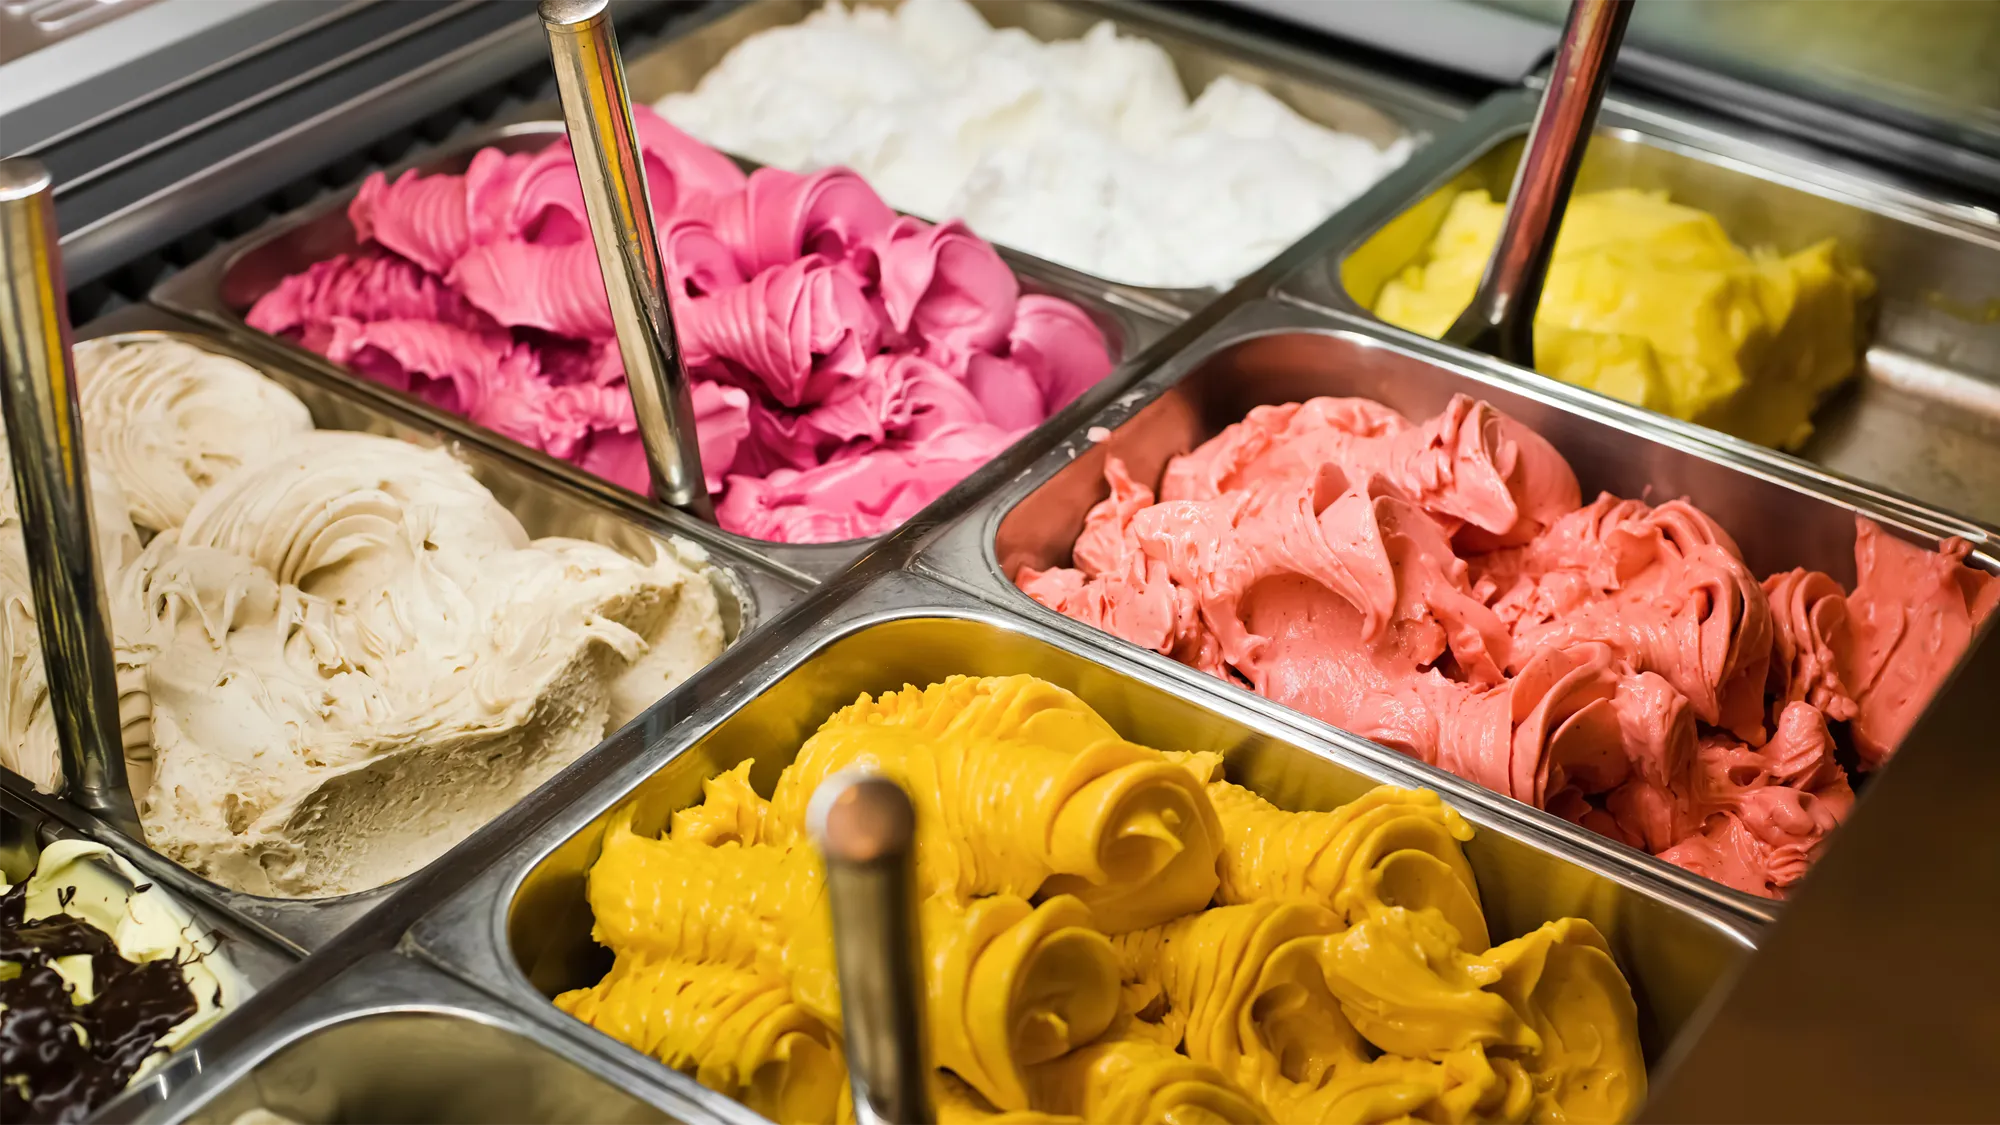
1085,152
338,653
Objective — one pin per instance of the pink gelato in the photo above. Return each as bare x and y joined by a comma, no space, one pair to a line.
849,364
1441,589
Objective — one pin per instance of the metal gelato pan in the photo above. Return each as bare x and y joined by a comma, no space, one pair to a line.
1271,352
747,590
1922,417
392,1041
222,287
521,929
1338,95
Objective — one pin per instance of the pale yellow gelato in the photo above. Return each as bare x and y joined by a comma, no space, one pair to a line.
1650,302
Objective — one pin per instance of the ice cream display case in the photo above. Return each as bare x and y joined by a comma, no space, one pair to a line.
226,287
1304,718
734,594
1080,534
525,930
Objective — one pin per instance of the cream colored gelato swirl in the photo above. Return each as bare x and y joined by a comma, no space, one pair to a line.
170,420
339,654
355,654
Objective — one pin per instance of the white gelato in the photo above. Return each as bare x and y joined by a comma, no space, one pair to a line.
344,655
1085,152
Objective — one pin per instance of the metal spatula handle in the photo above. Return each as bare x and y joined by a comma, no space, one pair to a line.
866,829
52,484
1500,320
591,77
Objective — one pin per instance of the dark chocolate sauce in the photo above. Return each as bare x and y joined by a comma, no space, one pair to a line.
59,1060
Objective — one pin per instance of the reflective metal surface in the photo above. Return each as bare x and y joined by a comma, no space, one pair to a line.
598,112
391,1041
1270,352
1352,99
747,592
866,830
26,26
220,288
522,928
1923,416
1501,318
51,483
1922,67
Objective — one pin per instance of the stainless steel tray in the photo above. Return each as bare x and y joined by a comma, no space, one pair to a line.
1922,418
747,590
219,290
521,929
1341,96
1780,513
391,1040
30,821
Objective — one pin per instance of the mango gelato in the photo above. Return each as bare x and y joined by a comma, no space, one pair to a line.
1110,933
1650,302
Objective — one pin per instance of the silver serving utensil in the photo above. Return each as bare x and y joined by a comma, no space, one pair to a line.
1500,321
865,826
598,111
38,397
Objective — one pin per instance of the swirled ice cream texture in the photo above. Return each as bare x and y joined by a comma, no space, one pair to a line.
1086,151
849,364
1440,588
338,654
1109,932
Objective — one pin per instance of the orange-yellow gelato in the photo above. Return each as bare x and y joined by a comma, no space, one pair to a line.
1110,933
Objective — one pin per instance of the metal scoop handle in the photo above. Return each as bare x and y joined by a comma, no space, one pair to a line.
38,396
598,111
1500,321
866,828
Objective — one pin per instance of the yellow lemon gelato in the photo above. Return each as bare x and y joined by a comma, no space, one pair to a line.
1110,933
1650,302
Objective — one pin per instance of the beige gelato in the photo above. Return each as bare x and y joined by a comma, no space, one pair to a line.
339,654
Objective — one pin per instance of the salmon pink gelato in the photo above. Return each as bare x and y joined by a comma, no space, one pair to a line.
849,364
1440,588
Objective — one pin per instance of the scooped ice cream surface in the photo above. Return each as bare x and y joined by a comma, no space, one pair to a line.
340,654
1086,151
849,364
1440,588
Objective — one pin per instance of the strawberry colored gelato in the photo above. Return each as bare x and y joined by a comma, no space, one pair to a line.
1441,588
849,364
